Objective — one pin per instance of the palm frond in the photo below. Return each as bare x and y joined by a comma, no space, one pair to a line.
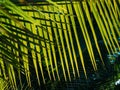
56,41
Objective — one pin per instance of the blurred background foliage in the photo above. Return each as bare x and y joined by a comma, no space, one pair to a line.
65,44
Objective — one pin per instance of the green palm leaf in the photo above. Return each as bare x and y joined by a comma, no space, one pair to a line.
47,41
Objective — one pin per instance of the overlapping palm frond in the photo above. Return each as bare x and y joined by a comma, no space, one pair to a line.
45,41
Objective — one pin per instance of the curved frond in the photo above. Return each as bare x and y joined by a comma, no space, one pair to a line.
47,41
